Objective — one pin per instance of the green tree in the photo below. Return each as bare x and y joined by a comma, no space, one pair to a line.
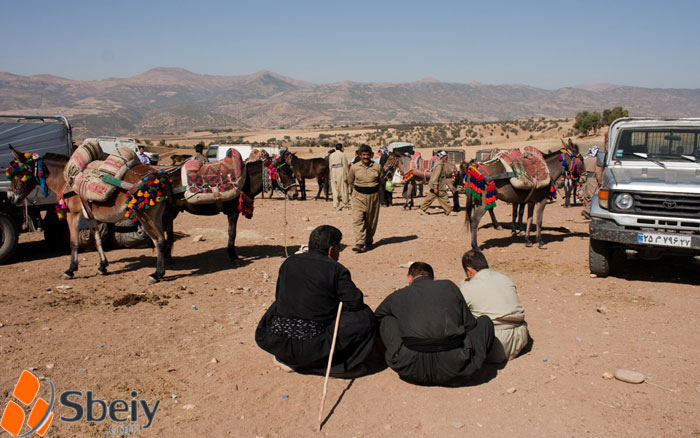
586,122
610,115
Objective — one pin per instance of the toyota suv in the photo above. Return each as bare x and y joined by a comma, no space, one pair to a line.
649,199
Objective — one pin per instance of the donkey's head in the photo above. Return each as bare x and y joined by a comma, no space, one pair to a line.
284,179
23,173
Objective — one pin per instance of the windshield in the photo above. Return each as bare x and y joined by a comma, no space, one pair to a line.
211,152
658,144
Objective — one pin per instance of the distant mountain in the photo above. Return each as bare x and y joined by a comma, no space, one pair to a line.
164,100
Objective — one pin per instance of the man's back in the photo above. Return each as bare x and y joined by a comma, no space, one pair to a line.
310,285
429,309
491,293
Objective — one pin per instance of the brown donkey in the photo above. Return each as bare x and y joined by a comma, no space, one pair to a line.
51,168
535,199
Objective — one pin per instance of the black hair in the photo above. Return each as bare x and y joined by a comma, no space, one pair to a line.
339,147
365,148
323,237
420,269
474,259
199,147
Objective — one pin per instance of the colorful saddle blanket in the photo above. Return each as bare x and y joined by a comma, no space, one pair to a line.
85,170
210,183
529,167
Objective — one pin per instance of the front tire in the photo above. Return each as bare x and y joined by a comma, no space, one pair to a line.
9,237
599,258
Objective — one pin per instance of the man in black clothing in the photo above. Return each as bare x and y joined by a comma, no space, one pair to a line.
430,335
298,327
385,197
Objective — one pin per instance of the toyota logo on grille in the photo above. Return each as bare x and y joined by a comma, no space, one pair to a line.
669,204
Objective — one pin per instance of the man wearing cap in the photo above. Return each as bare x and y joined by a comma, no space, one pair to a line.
338,164
365,178
437,185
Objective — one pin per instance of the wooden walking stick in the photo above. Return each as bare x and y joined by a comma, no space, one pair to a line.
328,369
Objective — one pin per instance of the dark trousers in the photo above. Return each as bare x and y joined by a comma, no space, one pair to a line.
440,368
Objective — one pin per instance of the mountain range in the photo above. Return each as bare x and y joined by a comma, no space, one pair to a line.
169,100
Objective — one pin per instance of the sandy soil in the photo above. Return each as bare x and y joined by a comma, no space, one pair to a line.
188,341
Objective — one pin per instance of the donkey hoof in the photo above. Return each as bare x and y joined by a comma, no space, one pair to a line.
152,279
543,246
102,271
528,244
67,275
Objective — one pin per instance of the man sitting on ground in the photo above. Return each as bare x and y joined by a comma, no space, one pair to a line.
298,327
494,295
430,335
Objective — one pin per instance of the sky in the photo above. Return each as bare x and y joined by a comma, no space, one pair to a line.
544,44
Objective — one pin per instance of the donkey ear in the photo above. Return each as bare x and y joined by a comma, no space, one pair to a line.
563,143
19,156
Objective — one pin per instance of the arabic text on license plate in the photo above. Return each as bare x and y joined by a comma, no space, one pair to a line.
663,239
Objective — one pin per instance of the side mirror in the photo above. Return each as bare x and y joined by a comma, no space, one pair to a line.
600,159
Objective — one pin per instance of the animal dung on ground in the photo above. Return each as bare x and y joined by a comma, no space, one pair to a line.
607,376
602,309
629,376
199,238
511,390
406,265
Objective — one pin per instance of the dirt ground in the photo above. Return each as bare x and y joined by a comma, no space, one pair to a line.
189,340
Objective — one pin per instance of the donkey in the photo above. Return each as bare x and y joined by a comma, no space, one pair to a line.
536,199
50,169
311,168
252,186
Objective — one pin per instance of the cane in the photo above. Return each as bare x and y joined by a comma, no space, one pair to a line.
328,369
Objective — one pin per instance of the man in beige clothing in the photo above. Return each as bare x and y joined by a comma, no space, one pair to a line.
493,294
593,182
365,177
338,164
437,185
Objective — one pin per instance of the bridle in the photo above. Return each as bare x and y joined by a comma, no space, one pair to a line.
278,178
33,167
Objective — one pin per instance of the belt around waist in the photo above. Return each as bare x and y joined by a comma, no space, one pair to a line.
590,173
433,345
335,166
367,190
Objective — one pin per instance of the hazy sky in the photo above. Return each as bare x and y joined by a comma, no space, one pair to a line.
546,44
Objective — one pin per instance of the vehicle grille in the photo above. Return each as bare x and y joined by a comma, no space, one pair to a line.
667,204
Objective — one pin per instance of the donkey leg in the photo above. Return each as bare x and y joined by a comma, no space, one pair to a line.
231,248
477,214
152,223
530,209
102,269
540,214
494,221
73,220
521,212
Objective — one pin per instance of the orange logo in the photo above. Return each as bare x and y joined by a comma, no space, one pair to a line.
40,416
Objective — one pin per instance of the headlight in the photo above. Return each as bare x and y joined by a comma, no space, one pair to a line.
624,201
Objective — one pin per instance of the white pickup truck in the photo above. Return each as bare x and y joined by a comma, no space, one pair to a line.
649,200
110,145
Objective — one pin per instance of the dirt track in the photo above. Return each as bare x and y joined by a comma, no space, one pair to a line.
115,334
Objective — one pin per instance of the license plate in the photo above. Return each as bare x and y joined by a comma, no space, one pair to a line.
663,239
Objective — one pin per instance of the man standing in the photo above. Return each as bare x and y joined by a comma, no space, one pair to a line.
430,335
437,182
593,182
199,148
338,165
365,177
494,295
143,158
298,327
385,196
